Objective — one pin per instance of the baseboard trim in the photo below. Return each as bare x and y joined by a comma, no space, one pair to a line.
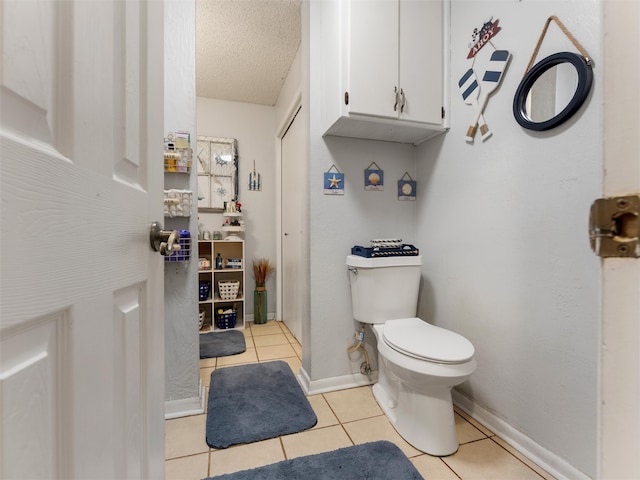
185,407
553,464
270,316
314,387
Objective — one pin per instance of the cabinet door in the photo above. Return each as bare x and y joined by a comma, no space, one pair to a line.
421,60
373,57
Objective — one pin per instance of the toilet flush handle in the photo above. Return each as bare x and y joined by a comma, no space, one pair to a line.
354,270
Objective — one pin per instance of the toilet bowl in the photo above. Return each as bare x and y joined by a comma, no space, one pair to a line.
418,363
414,392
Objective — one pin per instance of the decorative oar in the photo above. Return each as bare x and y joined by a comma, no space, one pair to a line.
470,90
490,82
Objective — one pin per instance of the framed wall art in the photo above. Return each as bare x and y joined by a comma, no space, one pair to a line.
217,161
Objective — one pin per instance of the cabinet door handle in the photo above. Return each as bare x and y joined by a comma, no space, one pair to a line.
403,100
395,105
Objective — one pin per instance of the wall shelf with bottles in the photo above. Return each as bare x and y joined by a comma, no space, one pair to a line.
177,152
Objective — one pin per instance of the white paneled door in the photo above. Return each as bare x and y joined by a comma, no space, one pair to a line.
293,178
81,329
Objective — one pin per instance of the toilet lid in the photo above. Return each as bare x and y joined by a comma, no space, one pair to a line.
422,340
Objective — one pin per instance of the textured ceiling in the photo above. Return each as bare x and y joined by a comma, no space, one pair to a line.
244,48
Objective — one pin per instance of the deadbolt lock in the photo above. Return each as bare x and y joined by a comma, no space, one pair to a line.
614,226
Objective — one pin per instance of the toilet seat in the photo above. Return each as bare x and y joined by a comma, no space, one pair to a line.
419,339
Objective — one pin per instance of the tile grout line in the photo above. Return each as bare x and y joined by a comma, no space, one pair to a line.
447,465
518,459
284,450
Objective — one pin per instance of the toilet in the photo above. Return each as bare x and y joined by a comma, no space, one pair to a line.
418,363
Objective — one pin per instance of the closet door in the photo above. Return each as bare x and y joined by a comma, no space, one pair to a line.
81,329
293,182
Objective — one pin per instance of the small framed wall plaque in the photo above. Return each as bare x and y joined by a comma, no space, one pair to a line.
406,188
333,181
373,177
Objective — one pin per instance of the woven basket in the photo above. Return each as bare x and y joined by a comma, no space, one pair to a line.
228,289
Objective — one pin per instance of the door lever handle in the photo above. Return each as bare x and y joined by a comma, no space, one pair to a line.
163,241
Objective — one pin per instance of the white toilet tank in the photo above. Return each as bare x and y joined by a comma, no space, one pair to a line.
384,288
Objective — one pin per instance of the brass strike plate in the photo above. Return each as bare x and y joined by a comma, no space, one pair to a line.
614,226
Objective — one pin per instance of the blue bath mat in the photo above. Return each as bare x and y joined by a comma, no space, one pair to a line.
373,461
254,402
221,344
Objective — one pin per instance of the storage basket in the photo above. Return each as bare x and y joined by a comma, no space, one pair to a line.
226,320
205,289
184,254
228,289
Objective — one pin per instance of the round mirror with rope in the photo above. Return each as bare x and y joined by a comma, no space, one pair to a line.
555,88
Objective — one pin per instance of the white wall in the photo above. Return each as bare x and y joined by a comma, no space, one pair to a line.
291,90
182,374
339,222
254,128
503,230
502,226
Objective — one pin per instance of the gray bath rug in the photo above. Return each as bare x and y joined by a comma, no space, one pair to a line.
221,344
254,402
373,461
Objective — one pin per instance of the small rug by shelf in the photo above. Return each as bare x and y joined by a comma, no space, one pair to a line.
255,402
380,460
222,344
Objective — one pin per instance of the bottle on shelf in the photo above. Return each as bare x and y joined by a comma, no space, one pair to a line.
218,262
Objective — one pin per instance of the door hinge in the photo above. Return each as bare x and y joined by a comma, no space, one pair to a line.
346,98
442,112
614,226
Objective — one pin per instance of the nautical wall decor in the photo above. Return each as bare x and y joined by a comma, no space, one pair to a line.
555,88
479,82
482,37
406,188
333,181
373,177
255,179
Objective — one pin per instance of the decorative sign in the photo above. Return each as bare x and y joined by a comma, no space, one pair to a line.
406,188
476,85
255,180
333,182
373,178
480,38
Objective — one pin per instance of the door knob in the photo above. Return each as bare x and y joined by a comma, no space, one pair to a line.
163,241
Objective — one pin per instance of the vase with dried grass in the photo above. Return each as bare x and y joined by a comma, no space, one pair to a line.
262,268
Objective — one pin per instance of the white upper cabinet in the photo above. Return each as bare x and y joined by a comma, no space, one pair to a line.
373,58
392,79
421,70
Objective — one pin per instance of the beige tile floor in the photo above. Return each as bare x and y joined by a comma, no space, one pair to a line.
345,418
